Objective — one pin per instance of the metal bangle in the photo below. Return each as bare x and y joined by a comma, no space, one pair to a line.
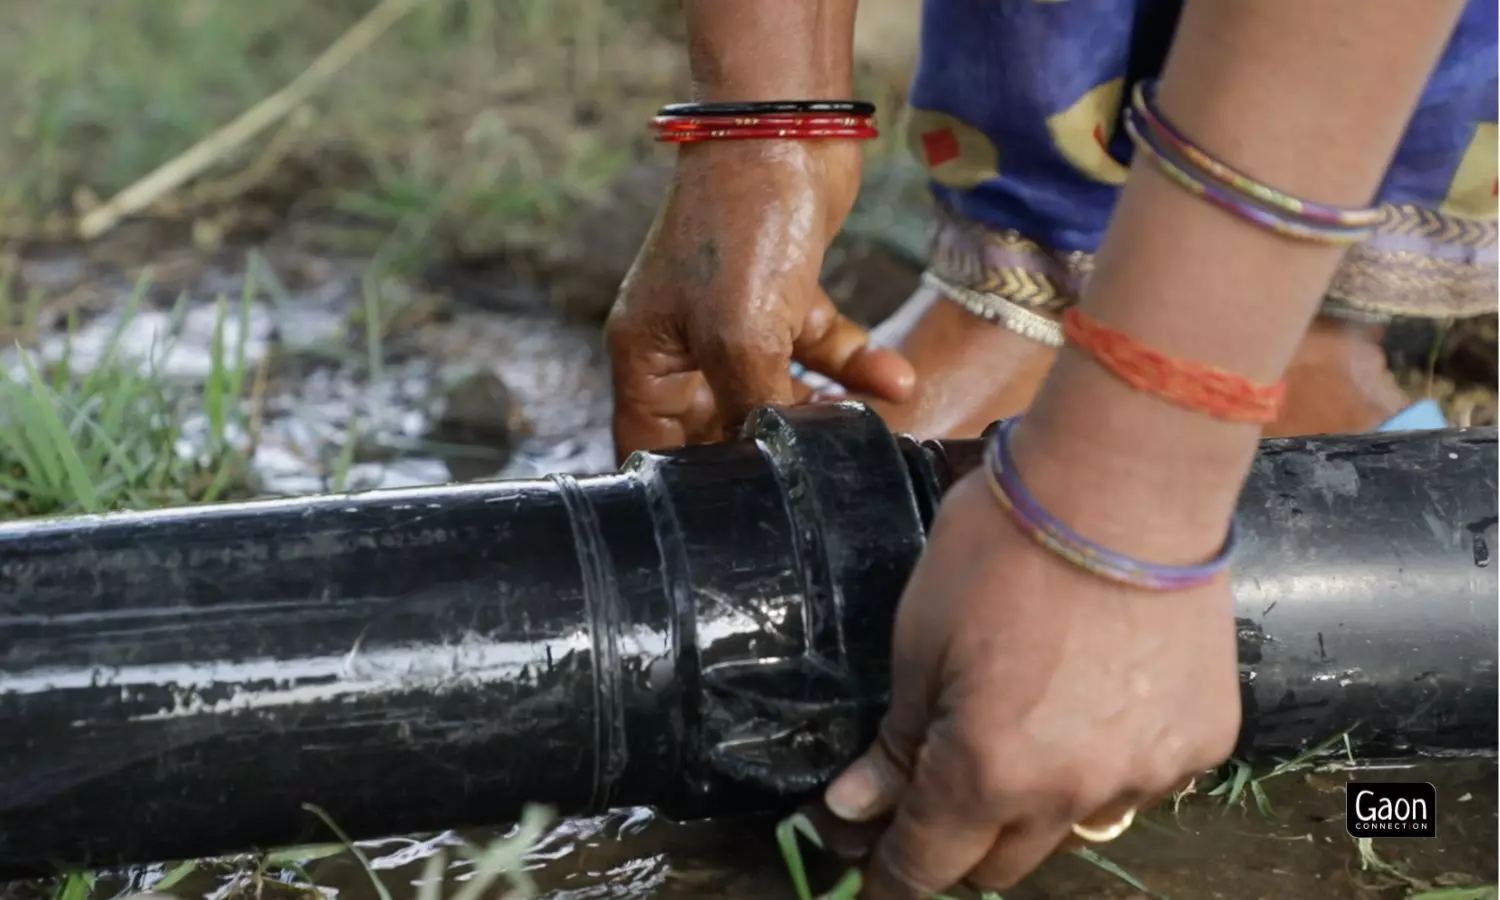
999,311
1055,535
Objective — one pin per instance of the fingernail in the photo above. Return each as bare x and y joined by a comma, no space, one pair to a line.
857,792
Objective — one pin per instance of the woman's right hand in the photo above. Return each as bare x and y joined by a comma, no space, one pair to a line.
725,295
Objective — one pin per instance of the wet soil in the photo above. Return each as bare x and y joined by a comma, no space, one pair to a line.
1203,849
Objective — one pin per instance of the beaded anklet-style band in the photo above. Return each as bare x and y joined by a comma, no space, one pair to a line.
686,123
1199,173
1185,383
999,311
1333,308
1098,560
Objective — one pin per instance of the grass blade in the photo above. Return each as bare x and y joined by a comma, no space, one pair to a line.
339,482
75,886
1233,787
383,892
1114,869
176,875
47,417
304,854
242,340
796,826
433,877
216,388
507,857
787,832
1311,754
1262,801
1474,892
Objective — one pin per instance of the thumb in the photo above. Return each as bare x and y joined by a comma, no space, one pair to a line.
868,789
872,785
833,346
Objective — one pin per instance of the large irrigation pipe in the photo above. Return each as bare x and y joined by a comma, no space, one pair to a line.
707,632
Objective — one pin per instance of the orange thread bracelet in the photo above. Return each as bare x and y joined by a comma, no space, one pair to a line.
1185,383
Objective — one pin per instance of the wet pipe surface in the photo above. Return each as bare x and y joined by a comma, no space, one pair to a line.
707,631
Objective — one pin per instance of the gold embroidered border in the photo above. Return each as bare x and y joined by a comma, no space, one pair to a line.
1429,225
1007,265
1381,282
1407,283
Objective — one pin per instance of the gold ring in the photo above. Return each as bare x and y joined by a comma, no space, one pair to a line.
1106,833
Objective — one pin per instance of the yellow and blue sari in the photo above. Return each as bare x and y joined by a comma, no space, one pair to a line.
1016,116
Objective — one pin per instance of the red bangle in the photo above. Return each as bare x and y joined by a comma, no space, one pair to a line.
1185,383
688,123
682,129
761,134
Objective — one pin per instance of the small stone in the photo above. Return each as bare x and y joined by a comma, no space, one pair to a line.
478,411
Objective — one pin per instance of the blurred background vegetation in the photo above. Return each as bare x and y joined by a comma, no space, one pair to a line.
493,112
475,122
465,147
461,146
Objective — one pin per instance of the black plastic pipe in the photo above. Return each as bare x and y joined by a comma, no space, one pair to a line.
707,632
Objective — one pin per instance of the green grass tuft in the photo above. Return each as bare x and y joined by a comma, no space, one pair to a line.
113,437
797,827
460,131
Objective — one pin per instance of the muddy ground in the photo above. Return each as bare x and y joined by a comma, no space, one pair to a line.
1204,850
1201,849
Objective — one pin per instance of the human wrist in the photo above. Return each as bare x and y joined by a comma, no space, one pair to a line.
1128,471
749,185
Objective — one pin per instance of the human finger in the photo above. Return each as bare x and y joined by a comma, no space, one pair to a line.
747,365
655,395
872,785
936,836
1018,851
832,345
1135,803
1024,846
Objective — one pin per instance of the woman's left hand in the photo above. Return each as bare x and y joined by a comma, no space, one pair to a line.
1027,696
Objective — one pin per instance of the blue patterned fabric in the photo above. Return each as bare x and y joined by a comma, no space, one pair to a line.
1016,108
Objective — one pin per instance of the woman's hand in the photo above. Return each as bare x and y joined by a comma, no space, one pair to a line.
1029,695
725,294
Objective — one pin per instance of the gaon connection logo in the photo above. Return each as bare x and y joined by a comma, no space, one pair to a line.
1390,809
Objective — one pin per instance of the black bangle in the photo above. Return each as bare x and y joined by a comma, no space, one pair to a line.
770,107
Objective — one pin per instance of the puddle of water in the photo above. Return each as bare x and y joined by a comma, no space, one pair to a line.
556,375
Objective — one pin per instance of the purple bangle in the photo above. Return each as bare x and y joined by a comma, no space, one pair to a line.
1143,103
1187,176
1046,530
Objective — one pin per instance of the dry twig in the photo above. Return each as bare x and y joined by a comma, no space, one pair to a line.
262,115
